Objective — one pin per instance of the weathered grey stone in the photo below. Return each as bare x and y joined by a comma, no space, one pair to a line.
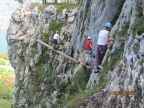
64,11
50,13
73,12
130,73
71,19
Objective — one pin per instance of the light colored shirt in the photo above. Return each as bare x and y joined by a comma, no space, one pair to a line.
56,36
102,37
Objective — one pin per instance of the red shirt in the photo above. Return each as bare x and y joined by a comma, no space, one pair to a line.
87,46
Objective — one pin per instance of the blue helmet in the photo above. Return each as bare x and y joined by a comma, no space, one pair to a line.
108,25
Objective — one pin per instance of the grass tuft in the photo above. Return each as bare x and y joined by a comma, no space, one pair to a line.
59,6
138,26
6,88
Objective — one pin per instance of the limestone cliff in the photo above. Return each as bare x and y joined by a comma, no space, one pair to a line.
41,74
123,70
45,79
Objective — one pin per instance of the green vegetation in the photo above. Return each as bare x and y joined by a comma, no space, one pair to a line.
44,72
4,62
4,59
77,97
56,25
115,59
59,6
7,79
74,89
46,37
138,26
80,81
4,56
123,32
115,33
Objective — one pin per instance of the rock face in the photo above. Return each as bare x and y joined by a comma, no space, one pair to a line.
125,88
92,17
50,13
40,72
42,76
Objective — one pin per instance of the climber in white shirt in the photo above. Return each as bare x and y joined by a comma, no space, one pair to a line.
56,39
102,43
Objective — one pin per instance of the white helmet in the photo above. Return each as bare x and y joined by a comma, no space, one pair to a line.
89,37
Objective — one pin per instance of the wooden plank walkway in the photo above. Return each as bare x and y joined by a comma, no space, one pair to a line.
57,51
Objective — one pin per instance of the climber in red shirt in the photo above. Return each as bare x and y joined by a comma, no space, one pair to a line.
88,47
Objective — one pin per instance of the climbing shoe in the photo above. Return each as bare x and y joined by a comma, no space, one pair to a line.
98,68
96,71
86,63
60,49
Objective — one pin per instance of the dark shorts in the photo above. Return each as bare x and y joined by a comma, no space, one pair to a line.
54,41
